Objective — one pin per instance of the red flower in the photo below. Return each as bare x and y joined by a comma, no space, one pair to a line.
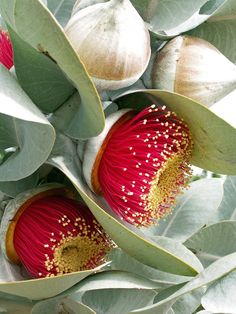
6,53
56,235
142,164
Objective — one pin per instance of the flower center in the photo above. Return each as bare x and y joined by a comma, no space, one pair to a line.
77,254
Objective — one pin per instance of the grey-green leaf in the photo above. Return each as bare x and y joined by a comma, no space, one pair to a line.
227,208
170,18
212,273
220,296
122,261
219,29
117,300
188,303
116,279
26,136
214,241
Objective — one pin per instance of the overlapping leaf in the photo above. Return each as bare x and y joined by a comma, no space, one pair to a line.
36,289
220,30
49,38
117,301
26,136
220,296
39,76
170,18
214,272
227,208
214,241
61,9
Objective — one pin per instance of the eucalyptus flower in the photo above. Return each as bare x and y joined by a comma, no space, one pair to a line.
139,163
52,234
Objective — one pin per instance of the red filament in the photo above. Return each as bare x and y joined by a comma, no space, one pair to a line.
6,53
57,235
145,165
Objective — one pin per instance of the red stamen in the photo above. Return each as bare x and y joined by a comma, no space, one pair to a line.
144,165
57,235
6,53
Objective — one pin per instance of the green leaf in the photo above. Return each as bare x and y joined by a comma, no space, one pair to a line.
168,256
39,76
213,272
170,18
26,136
194,209
214,241
219,30
227,208
117,300
61,9
49,37
214,139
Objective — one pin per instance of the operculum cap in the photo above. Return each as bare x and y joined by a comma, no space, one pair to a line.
112,41
192,67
